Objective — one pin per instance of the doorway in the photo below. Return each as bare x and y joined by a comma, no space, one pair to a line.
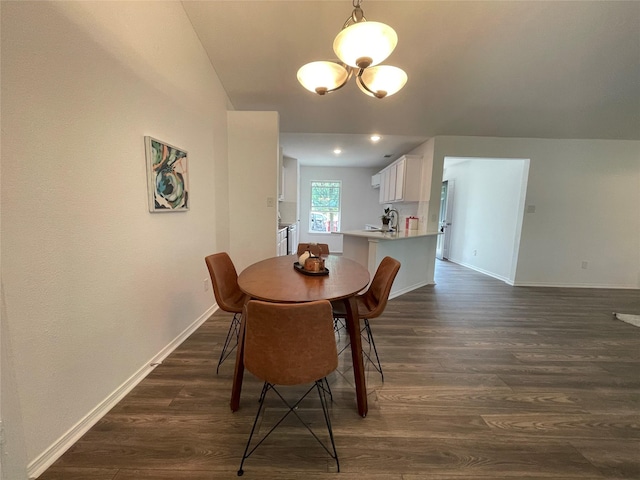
481,223
445,220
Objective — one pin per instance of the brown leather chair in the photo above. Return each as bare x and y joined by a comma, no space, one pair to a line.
290,344
315,248
228,295
372,303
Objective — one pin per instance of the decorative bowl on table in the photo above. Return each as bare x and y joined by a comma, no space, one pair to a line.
311,266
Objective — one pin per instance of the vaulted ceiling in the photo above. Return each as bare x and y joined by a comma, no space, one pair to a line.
542,69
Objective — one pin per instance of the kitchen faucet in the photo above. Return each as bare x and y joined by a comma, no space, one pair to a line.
395,218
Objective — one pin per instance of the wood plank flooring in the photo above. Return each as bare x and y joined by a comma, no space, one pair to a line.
482,380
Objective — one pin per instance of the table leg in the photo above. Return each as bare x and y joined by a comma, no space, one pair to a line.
238,373
353,327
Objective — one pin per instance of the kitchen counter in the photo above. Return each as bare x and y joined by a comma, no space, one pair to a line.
410,248
380,235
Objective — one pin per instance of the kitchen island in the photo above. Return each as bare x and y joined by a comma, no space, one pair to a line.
412,248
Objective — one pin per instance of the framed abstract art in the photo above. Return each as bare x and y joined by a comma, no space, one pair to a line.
167,176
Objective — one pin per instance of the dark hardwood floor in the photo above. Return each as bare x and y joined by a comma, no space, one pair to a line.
482,380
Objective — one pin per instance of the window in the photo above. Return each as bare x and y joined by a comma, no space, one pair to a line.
325,207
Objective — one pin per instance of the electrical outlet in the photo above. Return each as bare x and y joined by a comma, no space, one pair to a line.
475,253
206,284
271,202
585,265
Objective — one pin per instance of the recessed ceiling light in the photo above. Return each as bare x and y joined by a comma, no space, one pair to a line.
337,151
375,138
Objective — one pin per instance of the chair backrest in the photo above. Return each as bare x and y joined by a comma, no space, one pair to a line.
377,295
289,343
315,248
224,278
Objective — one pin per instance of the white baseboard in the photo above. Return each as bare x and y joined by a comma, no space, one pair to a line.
397,293
57,448
484,272
543,284
575,285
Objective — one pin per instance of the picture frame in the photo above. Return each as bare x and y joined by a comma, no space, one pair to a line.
167,176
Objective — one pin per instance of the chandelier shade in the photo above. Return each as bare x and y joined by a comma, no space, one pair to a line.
365,44
323,77
361,46
381,81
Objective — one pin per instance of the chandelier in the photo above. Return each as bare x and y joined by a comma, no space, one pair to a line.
360,46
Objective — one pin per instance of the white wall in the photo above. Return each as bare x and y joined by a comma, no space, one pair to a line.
360,202
254,154
429,205
93,285
487,211
289,206
586,195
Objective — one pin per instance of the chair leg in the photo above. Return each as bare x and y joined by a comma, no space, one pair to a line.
326,388
319,386
338,325
234,331
367,334
375,350
327,419
265,388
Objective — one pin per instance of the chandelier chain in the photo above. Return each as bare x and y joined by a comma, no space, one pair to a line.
356,16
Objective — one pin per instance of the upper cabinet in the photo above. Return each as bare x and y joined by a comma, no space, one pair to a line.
375,180
400,181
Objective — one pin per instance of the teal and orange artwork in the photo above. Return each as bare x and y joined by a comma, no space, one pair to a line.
168,177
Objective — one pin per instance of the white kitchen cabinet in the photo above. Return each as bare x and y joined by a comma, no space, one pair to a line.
398,191
391,189
400,181
282,241
375,180
388,184
384,185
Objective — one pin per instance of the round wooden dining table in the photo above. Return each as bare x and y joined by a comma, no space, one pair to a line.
276,280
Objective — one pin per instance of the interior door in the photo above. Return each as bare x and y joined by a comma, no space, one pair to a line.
446,212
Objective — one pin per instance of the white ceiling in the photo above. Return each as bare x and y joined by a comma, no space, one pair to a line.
541,69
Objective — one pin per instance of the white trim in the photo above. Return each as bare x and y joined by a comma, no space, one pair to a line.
576,285
485,272
66,441
544,284
410,288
